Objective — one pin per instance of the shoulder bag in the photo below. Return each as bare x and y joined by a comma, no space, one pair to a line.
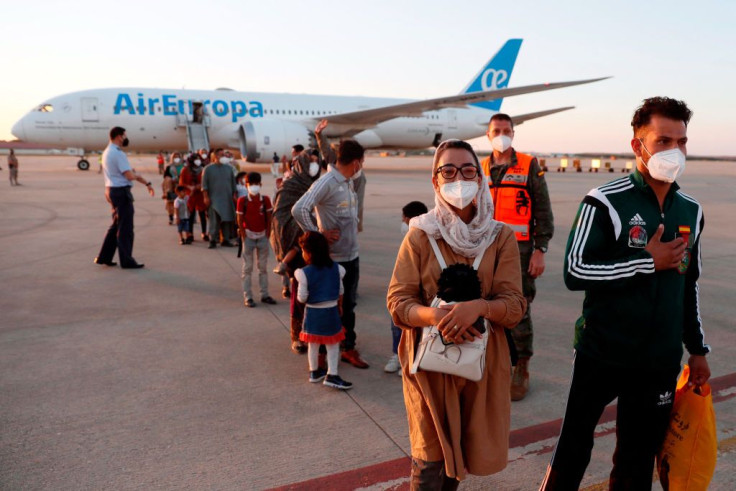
465,360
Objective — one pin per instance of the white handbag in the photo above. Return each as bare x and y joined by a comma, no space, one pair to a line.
465,360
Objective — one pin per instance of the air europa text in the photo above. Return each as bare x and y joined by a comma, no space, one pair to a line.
170,105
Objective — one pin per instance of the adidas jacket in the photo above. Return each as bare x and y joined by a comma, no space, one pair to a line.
633,315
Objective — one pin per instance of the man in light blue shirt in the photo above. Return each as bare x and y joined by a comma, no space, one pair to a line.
332,207
119,177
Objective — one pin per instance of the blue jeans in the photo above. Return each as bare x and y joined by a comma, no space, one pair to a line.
396,336
183,225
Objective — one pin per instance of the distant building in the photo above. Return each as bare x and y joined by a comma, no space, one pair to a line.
25,148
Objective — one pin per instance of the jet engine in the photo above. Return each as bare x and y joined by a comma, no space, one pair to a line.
259,139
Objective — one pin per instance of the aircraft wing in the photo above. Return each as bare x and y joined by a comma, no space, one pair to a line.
526,117
370,117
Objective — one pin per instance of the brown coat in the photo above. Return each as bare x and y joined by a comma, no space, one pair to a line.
464,423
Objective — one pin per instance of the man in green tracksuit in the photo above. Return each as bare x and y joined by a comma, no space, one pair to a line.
635,250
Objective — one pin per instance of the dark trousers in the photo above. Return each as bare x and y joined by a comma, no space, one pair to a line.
645,400
396,337
523,333
430,476
120,234
349,301
296,311
202,221
217,223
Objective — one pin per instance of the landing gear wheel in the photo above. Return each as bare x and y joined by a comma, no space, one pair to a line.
83,165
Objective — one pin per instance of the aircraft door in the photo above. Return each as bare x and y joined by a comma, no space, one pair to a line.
197,112
452,119
89,109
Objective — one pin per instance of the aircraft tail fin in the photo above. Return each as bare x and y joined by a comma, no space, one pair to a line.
495,74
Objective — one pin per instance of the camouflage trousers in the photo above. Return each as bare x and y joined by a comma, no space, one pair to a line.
523,333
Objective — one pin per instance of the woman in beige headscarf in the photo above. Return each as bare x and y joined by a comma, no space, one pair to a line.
457,426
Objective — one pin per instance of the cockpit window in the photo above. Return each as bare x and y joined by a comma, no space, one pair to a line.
45,108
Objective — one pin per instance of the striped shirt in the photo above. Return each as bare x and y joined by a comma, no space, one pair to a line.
334,202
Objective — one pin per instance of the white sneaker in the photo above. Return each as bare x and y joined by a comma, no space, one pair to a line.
392,365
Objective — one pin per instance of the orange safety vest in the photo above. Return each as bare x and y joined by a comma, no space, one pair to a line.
511,199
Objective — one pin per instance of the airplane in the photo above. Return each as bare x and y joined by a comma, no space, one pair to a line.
262,124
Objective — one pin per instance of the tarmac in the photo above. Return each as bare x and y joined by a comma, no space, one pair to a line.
160,378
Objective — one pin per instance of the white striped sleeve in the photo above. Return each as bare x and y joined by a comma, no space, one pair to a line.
590,237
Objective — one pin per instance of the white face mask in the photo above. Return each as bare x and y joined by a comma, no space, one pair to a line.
501,143
667,165
357,174
313,169
224,160
404,228
197,163
254,189
177,160
459,193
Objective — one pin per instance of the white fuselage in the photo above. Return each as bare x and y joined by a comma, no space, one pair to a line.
155,119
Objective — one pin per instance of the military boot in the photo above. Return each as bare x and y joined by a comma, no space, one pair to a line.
520,379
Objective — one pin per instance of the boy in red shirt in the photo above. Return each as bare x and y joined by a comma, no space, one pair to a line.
253,214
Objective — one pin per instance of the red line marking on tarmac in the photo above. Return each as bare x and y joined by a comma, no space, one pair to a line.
357,478
400,468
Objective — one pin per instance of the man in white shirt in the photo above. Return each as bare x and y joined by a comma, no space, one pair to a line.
119,177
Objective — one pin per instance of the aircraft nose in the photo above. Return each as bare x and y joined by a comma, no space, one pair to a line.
19,130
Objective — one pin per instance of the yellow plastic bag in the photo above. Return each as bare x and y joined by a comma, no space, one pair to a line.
688,456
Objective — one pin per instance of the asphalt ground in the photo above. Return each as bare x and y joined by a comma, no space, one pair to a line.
161,379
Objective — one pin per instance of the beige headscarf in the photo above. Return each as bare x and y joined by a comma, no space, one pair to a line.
466,239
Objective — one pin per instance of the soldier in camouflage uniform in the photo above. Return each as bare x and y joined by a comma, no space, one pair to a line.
521,200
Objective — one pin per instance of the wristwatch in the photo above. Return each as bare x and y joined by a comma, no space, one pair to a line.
148,183
542,248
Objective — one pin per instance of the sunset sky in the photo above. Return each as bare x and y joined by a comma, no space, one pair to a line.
406,49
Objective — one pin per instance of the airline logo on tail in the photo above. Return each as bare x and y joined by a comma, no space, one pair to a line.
492,79
496,74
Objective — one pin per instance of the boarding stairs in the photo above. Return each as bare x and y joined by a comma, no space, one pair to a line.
197,136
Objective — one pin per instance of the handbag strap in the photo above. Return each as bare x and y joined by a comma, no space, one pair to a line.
441,259
437,252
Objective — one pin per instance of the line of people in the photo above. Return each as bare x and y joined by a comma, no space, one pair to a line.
641,289
210,188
